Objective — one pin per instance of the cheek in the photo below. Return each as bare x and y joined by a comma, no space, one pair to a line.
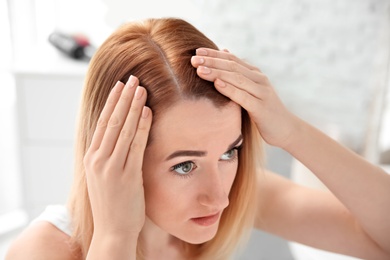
150,173
151,184
230,172
156,198
160,195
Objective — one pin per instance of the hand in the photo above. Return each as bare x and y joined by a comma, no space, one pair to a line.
250,88
113,162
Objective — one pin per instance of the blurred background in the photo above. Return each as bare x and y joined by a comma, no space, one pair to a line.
328,60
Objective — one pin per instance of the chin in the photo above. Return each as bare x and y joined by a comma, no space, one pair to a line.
197,241
199,237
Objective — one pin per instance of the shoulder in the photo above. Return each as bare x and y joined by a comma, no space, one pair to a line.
42,240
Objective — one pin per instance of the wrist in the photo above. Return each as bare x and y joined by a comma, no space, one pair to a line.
114,246
288,133
119,235
296,134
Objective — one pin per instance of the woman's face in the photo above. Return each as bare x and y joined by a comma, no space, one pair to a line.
190,166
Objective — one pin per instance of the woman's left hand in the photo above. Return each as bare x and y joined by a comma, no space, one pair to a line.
250,88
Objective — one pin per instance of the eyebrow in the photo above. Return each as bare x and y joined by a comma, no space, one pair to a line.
235,143
183,153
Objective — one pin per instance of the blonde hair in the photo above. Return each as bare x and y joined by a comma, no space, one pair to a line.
158,52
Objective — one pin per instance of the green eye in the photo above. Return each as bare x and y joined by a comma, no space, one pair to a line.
229,155
184,167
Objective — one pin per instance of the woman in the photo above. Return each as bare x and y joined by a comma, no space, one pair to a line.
190,186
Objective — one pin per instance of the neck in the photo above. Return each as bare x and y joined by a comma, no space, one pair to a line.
158,244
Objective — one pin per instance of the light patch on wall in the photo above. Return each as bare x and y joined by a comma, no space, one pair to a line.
119,11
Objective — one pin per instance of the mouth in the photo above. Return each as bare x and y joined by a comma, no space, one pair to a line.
207,220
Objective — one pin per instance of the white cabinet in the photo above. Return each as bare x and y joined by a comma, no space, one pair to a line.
48,95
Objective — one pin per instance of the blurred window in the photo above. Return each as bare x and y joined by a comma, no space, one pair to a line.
11,204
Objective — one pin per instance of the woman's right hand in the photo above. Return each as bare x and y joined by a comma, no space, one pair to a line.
113,162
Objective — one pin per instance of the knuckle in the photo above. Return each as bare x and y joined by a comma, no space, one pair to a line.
244,98
136,146
101,123
86,159
139,143
114,121
232,66
240,79
92,163
232,57
126,133
143,127
135,111
211,63
233,93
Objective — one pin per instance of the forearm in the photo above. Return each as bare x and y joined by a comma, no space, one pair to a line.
112,247
362,187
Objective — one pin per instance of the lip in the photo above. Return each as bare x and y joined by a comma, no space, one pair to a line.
207,220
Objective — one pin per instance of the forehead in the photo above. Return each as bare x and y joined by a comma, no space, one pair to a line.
192,123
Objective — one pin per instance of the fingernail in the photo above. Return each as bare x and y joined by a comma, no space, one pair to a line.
197,60
131,81
138,93
145,112
204,70
220,83
201,52
118,86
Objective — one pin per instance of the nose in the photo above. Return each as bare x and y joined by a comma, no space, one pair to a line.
214,191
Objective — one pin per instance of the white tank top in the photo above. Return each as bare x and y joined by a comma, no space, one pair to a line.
57,215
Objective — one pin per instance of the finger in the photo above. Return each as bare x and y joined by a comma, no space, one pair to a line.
130,126
118,117
227,65
236,79
224,55
105,115
135,156
239,96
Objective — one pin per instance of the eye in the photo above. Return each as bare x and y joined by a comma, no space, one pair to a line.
230,155
184,167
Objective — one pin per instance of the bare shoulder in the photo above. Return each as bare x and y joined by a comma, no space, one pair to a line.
41,240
